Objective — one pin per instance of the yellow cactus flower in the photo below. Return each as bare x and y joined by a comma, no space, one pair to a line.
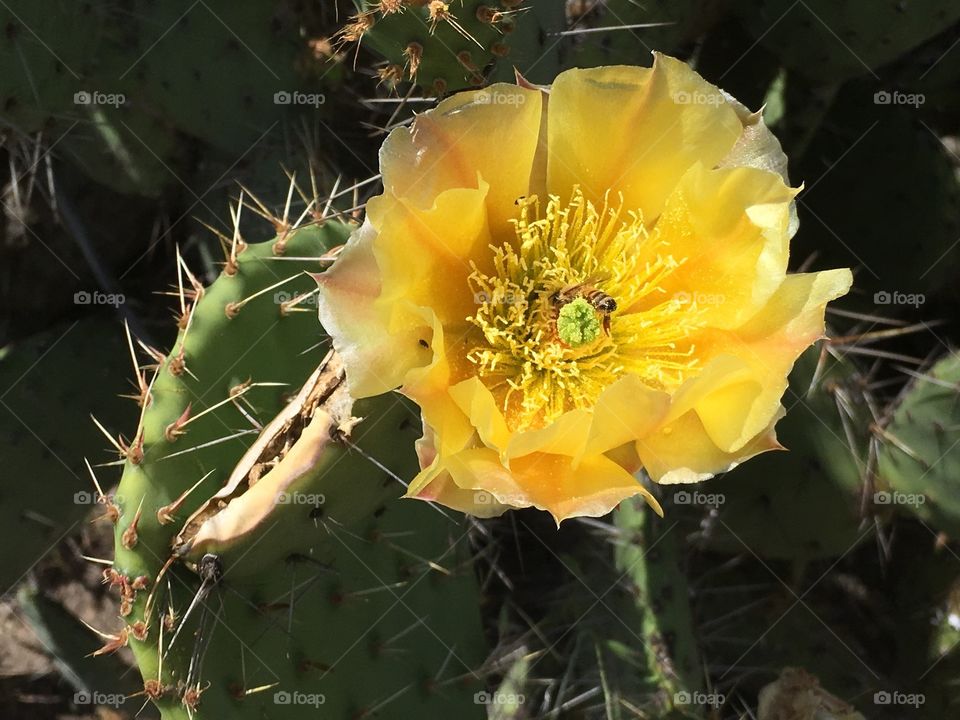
577,282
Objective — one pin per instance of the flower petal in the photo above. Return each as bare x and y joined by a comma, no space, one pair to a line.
376,360
548,482
746,370
492,133
477,403
429,386
443,490
729,229
683,451
635,130
424,254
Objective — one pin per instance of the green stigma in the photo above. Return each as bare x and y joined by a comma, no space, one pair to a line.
578,323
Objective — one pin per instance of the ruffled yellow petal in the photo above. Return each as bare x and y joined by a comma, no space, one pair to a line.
635,130
548,482
429,387
626,410
745,374
477,404
424,254
440,488
491,134
377,360
728,229
683,451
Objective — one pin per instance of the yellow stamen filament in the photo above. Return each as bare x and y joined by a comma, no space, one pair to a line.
577,252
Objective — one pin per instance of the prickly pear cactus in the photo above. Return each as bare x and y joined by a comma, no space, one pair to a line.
919,463
126,85
180,74
264,565
440,46
651,557
831,41
904,247
615,624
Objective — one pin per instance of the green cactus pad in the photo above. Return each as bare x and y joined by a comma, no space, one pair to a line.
919,463
830,41
343,600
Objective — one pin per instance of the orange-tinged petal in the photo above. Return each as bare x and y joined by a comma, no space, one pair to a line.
441,489
683,452
765,348
635,130
548,482
376,360
490,133
424,254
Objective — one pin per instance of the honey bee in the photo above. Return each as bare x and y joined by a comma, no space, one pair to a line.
598,299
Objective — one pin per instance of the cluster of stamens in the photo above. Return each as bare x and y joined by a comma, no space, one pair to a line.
574,302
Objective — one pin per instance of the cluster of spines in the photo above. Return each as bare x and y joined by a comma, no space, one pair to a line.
484,28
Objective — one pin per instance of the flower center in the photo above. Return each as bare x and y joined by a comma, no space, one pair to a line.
572,303
577,323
